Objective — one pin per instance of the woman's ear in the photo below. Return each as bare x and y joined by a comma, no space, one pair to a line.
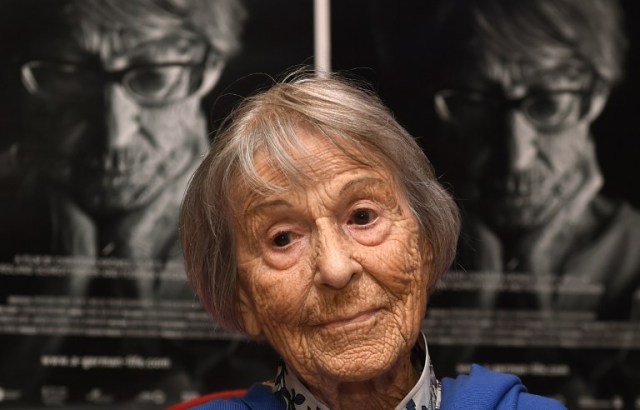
427,266
427,255
246,308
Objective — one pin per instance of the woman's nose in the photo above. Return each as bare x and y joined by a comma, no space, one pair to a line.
335,266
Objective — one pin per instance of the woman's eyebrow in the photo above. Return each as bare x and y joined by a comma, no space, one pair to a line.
261,206
364,181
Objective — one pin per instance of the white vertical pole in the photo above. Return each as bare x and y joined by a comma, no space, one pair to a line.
322,36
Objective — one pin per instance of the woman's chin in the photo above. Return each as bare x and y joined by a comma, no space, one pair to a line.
358,363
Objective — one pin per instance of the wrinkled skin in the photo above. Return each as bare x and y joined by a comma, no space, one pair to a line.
511,174
332,275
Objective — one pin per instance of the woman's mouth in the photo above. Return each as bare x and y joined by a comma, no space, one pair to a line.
351,319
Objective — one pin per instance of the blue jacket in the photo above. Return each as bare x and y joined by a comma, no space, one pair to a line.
482,389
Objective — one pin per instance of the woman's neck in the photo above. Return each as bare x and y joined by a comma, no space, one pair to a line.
382,392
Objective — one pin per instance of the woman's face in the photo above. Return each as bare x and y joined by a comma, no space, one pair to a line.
332,274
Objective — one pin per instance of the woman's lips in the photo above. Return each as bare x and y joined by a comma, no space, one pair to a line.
350,319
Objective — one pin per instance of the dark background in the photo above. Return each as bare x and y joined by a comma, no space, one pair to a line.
380,41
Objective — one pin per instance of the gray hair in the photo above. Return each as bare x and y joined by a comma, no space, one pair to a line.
582,32
351,118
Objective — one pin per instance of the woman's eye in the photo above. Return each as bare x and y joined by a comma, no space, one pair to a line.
282,239
362,217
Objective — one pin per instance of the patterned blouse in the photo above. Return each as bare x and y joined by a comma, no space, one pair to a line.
425,395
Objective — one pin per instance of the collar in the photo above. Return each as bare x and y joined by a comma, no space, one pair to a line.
424,395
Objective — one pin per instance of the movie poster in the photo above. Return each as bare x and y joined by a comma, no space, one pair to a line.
107,107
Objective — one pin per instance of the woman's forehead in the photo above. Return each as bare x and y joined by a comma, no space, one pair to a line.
317,160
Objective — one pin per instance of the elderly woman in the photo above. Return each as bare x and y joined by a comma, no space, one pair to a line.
316,223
